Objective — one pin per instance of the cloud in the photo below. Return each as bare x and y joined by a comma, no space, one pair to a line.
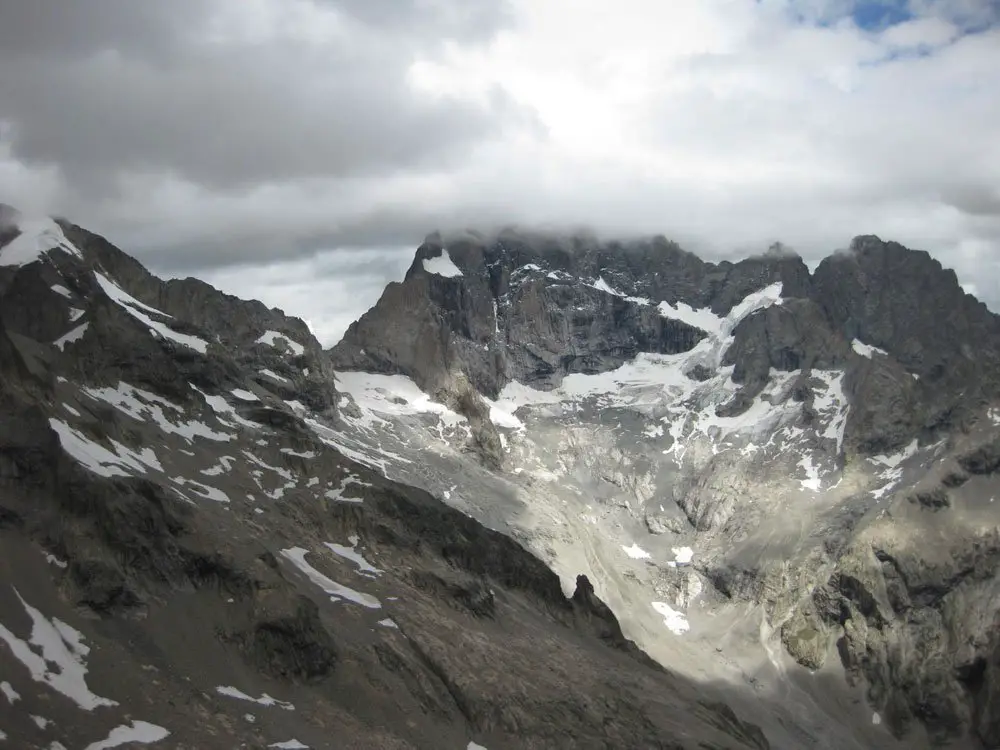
254,95
237,134
322,290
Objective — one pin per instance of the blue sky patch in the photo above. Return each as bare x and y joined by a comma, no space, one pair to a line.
873,15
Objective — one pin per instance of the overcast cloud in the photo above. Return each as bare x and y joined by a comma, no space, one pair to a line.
298,150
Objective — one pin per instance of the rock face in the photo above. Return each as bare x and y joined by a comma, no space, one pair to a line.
198,551
535,309
797,470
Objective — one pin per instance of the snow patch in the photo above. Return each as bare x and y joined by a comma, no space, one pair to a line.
272,337
391,395
866,350
9,692
138,310
336,591
264,700
892,474
139,732
702,317
682,556
209,493
226,413
289,745
37,237
299,454
53,560
812,480
351,553
602,286
74,335
831,404
896,459
55,655
442,265
144,406
501,417
275,376
244,395
62,291
93,456
223,467
675,621
636,552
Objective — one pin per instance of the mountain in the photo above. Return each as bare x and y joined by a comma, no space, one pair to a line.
195,553
777,479
549,492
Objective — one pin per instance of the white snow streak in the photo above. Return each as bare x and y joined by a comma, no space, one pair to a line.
351,553
37,237
337,495
209,493
138,310
264,700
55,655
120,462
297,556
226,413
68,338
9,692
141,732
144,406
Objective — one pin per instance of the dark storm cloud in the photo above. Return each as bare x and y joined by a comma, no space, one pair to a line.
64,31
258,243
134,87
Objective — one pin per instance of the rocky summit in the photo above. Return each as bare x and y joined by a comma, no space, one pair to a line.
550,492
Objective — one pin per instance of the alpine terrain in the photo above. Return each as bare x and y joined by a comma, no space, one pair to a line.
550,492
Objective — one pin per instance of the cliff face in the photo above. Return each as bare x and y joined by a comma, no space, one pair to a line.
730,443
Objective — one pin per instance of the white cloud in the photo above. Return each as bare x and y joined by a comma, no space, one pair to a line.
329,291
725,124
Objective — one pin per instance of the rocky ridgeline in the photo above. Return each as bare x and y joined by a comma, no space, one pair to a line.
535,309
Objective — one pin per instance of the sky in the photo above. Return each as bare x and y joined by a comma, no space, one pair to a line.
298,151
